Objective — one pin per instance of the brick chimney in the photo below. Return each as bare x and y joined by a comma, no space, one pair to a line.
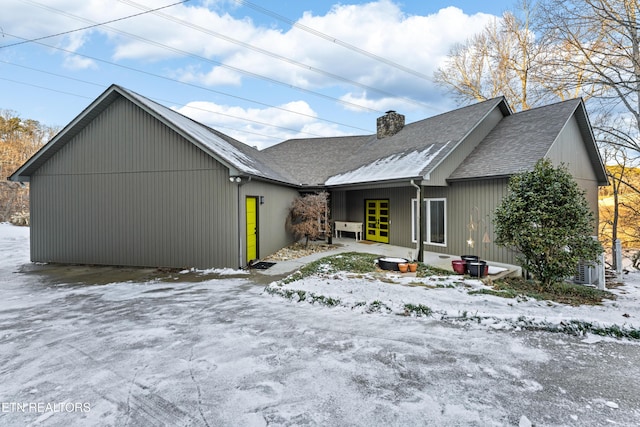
390,124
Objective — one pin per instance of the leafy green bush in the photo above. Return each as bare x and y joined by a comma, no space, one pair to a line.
546,218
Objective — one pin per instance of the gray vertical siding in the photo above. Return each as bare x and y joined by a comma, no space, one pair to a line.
351,208
570,149
272,215
339,205
477,198
129,191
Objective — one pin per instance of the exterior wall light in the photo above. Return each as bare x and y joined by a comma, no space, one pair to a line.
235,179
262,200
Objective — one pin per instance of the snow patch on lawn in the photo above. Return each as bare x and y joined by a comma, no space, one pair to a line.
449,299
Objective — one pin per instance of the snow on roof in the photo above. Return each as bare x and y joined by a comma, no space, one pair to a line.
408,164
203,135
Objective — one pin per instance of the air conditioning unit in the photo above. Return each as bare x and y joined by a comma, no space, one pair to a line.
586,274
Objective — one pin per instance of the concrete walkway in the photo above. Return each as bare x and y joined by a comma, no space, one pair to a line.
351,245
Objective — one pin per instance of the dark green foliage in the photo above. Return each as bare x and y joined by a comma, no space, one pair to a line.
419,310
546,218
353,262
378,306
302,296
425,270
561,292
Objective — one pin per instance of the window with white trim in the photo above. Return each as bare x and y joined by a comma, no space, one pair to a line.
436,212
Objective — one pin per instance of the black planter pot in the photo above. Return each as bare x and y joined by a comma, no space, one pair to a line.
477,268
467,259
391,263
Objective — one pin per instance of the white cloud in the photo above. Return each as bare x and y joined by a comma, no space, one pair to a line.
217,76
417,42
260,127
379,104
74,62
380,27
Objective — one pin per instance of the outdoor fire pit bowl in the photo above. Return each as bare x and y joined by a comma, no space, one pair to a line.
391,263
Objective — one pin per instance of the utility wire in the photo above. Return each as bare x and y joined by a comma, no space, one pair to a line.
44,88
272,54
181,22
90,26
155,99
201,58
242,71
148,73
333,39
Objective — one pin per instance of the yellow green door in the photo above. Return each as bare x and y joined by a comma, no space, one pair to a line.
377,220
252,228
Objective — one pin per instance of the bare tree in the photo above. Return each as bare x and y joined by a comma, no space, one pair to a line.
519,57
603,38
308,216
604,41
553,50
506,58
19,139
610,203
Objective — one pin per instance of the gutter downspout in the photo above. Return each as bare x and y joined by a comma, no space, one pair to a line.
419,256
240,262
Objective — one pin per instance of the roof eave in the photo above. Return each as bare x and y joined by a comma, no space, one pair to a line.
24,172
504,109
396,182
586,130
592,148
479,178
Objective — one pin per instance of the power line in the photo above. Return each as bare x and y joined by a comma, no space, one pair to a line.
248,46
174,81
196,56
159,100
201,58
45,88
273,54
53,74
155,99
102,86
90,26
333,39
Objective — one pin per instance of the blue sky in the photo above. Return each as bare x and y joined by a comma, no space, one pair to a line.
238,66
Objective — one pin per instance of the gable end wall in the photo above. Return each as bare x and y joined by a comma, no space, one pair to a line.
127,190
569,148
457,156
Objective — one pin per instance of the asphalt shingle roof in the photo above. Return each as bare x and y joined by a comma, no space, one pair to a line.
356,159
517,142
513,145
245,159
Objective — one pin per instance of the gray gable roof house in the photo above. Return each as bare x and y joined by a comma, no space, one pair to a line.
131,182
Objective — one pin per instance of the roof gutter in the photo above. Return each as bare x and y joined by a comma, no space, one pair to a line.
395,182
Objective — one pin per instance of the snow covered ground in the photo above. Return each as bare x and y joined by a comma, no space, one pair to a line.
99,346
450,300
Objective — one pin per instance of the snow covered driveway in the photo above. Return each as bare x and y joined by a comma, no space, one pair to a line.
218,352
